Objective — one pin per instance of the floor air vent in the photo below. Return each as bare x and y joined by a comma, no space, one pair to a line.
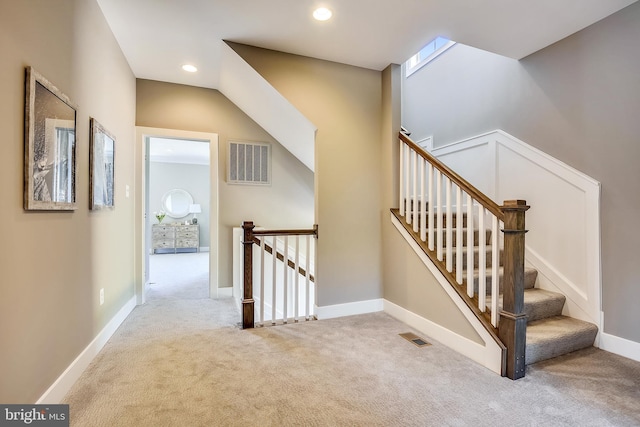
411,337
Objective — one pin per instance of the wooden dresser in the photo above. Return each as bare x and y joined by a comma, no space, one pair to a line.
175,237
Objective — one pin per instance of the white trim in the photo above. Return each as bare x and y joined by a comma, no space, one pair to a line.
349,309
65,381
621,346
426,143
456,342
583,302
225,292
489,354
142,134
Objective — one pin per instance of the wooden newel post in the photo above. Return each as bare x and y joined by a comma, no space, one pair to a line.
247,295
512,328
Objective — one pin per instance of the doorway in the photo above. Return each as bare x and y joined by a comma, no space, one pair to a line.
179,209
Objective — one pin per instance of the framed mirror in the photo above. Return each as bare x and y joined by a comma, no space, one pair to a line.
50,146
176,203
101,167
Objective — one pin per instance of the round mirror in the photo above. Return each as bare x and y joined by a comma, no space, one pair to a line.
176,203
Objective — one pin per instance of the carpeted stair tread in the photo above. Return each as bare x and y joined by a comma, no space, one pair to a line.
557,335
538,303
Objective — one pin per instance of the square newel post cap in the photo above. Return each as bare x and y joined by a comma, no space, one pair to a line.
520,205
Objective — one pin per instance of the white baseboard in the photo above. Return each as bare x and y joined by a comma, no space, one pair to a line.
349,309
488,356
225,292
621,346
65,381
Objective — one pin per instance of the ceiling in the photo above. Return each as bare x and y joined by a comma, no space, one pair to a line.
158,37
168,150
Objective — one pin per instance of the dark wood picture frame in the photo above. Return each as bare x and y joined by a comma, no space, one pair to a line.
50,146
101,167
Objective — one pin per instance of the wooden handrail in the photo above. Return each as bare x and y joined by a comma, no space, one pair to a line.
280,257
492,206
303,232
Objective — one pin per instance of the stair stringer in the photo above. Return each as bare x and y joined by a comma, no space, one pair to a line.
492,355
258,99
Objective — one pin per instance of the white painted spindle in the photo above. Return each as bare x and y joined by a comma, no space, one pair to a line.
459,246
401,167
285,287
274,257
430,207
307,278
296,272
482,261
448,226
262,252
470,231
414,171
439,219
423,203
495,265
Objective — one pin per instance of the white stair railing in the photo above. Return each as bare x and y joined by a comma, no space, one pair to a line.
443,210
278,275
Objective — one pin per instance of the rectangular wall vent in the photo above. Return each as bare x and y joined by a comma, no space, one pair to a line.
249,163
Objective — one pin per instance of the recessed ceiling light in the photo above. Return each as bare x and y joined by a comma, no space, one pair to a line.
322,14
190,68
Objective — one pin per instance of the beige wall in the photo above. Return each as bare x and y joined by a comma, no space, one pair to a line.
344,102
577,100
407,281
54,264
286,203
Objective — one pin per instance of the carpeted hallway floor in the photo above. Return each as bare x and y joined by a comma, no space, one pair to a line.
181,360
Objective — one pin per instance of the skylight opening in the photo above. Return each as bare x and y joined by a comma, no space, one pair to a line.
431,51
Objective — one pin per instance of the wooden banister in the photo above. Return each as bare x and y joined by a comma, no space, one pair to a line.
249,239
512,323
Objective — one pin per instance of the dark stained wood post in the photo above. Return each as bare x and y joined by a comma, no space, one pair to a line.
247,297
512,328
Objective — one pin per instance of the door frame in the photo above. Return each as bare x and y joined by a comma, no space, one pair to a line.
141,255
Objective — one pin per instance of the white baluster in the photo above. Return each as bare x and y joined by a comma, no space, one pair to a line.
482,261
423,203
448,226
407,187
307,279
439,219
401,190
495,265
274,256
285,291
262,251
431,210
459,246
415,191
296,272
470,225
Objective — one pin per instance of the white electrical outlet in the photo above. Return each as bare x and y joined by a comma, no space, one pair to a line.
101,296
126,191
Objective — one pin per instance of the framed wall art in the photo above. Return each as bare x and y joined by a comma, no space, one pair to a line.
101,164
50,146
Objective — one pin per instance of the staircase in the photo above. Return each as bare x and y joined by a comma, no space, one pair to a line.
549,334
478,250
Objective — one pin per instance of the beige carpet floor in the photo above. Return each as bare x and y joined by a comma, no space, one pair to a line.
182,361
